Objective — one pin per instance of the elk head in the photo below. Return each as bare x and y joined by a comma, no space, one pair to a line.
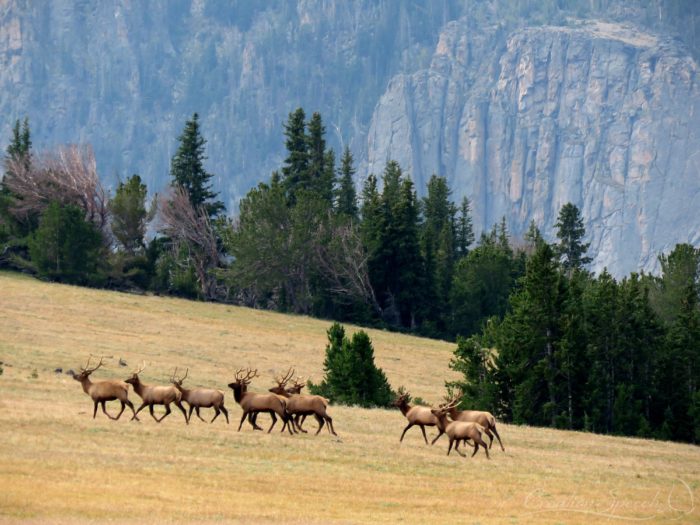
282,381
177,381
85,371
402,398
134,379
299,383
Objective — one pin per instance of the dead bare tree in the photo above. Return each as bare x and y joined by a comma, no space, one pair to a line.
67,175
190,229
342,260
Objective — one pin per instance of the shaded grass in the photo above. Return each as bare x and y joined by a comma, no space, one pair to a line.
59,465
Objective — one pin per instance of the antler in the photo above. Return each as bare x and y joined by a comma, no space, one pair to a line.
140,369
175,379
300,381
245,375
87,368
283,380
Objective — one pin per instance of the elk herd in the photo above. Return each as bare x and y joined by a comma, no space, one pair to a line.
282,401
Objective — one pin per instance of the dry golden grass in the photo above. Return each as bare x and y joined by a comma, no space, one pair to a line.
59,465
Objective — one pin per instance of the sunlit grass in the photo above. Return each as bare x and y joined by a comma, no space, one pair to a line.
59,465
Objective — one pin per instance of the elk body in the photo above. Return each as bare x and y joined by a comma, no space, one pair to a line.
198,398
416,415
459,430
156,395
253,403
300,405
485,419
103,391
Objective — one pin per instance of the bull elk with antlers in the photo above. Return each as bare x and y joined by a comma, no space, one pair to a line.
483,418
103,391
300,405
416,415
198,398
459,430
253,403
156,395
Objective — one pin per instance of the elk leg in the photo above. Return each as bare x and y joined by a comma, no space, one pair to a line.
242,420
329,422
457,449
490,435
196,409
298,421
178,404
274,420
150,409
131,405
94,412
290,423
167,413
143,405
189,415
121,411
450,447
223,409
440,433
483,444
404,431
422,429
216,409
320,423
104,410
499,438
476,448
252,419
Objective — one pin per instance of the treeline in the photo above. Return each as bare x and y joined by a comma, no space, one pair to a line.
540,339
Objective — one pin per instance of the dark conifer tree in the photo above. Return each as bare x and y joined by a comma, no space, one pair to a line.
464,229
346,199
295,171
187,169
571,251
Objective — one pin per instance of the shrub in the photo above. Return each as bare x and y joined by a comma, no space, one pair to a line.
351,377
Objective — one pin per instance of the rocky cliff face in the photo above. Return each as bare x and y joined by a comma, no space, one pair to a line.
598,114
519,117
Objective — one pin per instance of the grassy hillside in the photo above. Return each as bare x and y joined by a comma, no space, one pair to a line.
59,465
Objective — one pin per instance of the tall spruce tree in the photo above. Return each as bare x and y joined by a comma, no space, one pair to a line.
346,198
570,250
295,171
464,229
129,214
187,169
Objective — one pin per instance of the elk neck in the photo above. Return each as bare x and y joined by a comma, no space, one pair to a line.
404,407
86,384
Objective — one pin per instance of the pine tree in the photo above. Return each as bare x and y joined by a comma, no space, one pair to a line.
129,215
346,199
65,247
296,166
187,169
570,232
464,234
21,143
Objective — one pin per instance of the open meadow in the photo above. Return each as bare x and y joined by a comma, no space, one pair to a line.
59,465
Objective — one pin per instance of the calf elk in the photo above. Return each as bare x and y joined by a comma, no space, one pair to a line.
200,397
459,430
300,405
416,415
252,403
103,391
156,395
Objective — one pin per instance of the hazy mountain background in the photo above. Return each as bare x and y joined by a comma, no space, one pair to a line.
523,105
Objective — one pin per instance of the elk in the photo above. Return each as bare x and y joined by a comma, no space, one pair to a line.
103,391
459,430
300,405
198,398
253,403
416,415
485,419
156,395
